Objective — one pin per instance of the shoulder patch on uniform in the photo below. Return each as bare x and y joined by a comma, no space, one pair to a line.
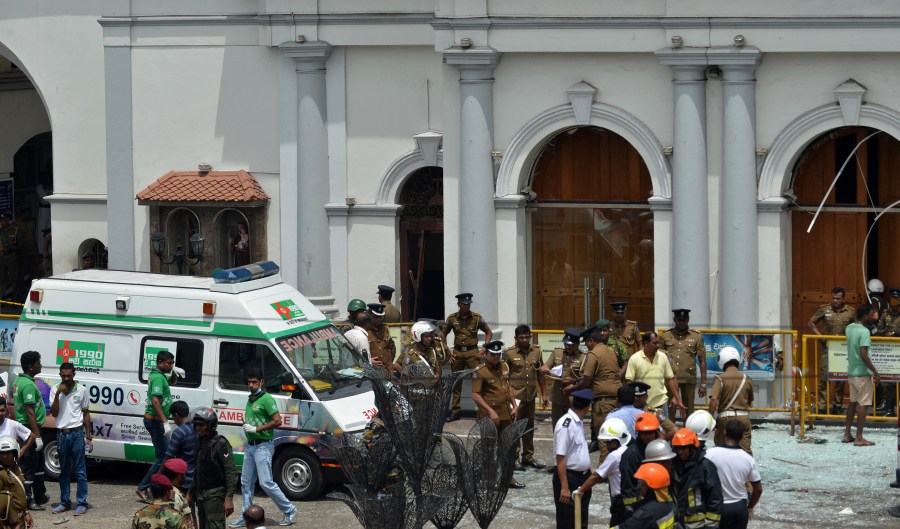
567,422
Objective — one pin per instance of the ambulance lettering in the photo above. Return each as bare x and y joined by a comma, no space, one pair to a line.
233,416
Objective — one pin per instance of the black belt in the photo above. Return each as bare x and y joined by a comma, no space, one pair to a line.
464,348
604,397
579,472
259,442
70,430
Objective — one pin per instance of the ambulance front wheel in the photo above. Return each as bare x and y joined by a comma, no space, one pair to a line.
299,474
51,461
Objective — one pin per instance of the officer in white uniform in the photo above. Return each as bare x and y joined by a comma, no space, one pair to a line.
573,461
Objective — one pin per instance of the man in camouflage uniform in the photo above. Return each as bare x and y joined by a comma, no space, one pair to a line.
465,325
215,477
524,360
493,394
625,330
382,348
684,346
10,239
160,514
835,317
567,361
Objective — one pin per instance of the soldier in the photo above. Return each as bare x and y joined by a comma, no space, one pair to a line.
10,238
422,350
160,514
684,346
625,330
732,396
215,479
382,348
465,325
524,361
493,394
835,317
391,313
601,374
12,486
354,309
567,361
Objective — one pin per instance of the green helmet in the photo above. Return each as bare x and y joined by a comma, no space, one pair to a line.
356,305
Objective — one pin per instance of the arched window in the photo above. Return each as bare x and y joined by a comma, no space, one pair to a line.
92,254
232,239
181,224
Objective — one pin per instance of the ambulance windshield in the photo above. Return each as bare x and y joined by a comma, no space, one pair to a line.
326,360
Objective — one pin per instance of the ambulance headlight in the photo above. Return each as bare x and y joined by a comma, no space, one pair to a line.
122,302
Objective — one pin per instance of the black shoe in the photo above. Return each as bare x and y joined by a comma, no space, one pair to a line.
836,410
453,416
519,467
42,500
34,506
517,485
533,464
595,447
551,469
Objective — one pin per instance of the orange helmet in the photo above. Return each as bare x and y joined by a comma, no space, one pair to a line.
646,422
685,437
654,475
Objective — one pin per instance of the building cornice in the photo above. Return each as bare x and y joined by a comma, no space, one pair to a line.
772,204
76,198
510,202
373,210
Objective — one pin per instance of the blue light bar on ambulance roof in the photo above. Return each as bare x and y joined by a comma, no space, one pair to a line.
246,273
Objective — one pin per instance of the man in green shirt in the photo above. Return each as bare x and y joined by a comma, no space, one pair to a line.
156,416
31,411
261,418
860,372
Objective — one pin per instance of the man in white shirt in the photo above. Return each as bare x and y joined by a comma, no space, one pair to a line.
15,429
73,436
614,432
735,468
358,336
573,461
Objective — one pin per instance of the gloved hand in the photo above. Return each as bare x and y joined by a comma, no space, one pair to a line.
39,443
249,428
577,492
166,427
179,372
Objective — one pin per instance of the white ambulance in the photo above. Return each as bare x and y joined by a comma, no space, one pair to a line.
112,324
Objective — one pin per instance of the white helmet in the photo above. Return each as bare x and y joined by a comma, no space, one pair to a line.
658,450
614,428
875,285
727,354
8,444
701,423
420,329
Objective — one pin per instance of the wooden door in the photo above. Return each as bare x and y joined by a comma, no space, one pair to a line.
590,221
422,245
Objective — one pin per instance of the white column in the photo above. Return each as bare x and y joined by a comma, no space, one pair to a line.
738,228
477,229
690,220
304,202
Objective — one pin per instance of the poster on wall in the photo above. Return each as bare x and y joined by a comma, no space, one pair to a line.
757,353
885,356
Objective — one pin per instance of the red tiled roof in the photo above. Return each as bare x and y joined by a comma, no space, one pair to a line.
214,186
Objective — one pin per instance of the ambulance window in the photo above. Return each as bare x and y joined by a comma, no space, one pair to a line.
236,358
188,356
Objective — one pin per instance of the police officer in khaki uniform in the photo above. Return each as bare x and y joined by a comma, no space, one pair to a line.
684,346
381,346
465,325
563,366
421,350
524,360
10,238
835,317
391,313
493,393
625,330
601,374
731,397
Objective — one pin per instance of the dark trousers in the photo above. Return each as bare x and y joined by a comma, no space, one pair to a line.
565,513
210,505
735,515
158,438
617,511
33,470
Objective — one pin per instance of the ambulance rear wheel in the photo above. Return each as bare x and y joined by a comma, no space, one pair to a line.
51,461
299,474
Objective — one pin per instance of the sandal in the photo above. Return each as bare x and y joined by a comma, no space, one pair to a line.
864,442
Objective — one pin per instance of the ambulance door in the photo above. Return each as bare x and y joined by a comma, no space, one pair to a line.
234,359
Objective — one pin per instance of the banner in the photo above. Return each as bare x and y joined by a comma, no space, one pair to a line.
757,352
885,356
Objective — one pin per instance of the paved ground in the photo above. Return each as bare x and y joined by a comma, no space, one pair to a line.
804,485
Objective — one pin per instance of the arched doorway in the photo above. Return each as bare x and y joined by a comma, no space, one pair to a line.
590,221
831,254
422,245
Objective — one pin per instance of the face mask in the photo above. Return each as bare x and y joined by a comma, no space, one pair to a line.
258,391
168,375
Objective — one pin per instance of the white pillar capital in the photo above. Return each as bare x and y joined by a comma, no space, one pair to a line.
313,53
473,63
